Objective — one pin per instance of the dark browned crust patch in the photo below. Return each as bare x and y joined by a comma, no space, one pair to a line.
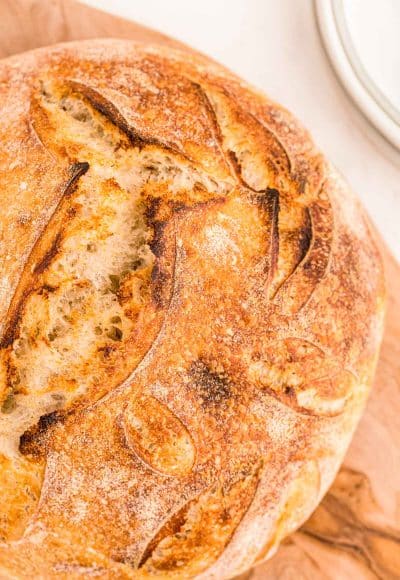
49,256
305,237
213,389
270,202
32,441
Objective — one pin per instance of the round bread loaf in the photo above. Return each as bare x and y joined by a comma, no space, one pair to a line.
191,310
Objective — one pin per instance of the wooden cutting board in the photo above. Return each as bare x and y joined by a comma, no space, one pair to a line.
355,532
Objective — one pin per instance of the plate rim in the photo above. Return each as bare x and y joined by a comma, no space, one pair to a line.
350,71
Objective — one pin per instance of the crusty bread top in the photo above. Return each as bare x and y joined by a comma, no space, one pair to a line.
191,307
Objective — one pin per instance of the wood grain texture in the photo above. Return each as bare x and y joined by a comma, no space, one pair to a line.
355,532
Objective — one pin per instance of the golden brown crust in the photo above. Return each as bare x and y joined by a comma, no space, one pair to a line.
214,429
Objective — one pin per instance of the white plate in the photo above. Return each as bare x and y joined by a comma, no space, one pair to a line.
363,43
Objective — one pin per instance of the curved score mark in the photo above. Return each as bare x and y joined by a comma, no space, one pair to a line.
270,203
43,250
316,406
294,293
158,437
199,532
298,247
104,106
230,156
274,136
303,376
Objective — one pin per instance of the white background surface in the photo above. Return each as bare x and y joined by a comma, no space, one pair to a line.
275,45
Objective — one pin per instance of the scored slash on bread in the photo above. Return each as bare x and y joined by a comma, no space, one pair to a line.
190,320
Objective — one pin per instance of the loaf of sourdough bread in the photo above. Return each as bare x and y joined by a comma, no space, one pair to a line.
191,309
